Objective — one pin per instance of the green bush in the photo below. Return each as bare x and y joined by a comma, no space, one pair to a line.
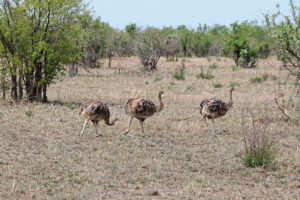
180,72
157,79
236,68
259,143
259,79
217,85
258,157
213,66
28,113
205,76
234,84
189,89
72,106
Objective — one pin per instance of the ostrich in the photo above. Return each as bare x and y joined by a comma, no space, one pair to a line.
142,108
95,111
215,108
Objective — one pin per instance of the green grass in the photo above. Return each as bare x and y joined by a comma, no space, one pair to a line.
259,157
234,84
217,85
72,106
180,72
236,68
178,76
157,79
205,76
29,113
213,66
189,89
259,79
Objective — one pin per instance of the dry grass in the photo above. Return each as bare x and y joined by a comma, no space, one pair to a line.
42,156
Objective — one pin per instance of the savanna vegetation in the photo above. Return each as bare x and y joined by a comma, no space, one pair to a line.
54,55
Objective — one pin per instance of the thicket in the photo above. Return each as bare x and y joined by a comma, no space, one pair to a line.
38,39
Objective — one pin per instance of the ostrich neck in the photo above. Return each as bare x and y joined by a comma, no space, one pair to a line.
161,104
230,103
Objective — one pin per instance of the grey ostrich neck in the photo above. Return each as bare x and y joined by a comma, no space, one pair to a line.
230,103
161,104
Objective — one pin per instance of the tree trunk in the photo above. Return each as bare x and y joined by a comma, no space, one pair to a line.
45,99
37,90
14,90
3,91
109,61
20,88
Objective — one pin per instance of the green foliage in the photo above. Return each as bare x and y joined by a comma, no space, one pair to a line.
259,145
234,84
72,106
37,48
185,39
29,113
205,76
259,79
149,48
189,89
180,72
236,68
259,157
239,45
132,30
200,42
157,79
217,85
213,66
171,85
285,35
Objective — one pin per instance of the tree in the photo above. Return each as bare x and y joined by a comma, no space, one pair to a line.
36,40
200,42
172,45
239,45
185,39
149,48
286,36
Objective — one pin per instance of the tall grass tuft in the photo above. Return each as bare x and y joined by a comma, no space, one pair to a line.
259,147
180,72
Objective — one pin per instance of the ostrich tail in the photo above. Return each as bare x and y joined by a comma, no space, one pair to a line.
110,123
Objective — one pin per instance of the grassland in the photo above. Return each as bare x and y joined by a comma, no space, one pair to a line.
42,157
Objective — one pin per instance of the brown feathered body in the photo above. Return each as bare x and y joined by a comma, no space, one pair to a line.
96,111
142,108
213,108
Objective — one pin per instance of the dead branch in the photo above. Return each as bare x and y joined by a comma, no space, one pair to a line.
282,110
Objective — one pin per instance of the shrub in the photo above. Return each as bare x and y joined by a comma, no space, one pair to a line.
286,37
236,67
234,84
260,157
213,66
28,113
259,79
259,147
217,85
189,89
149,49
239,44
179,73
205,76
157,79
72,106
